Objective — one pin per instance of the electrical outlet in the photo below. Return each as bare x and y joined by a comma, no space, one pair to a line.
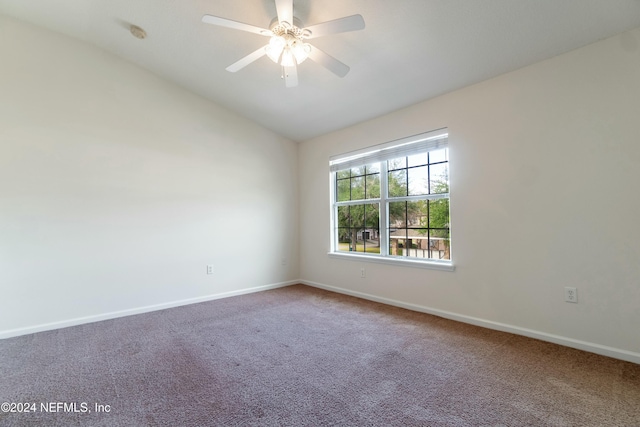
210,269
284,261
363,273
570,294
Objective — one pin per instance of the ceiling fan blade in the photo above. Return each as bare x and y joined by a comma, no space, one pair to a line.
247,60
340,25
284,8
290,75
329,62
223,22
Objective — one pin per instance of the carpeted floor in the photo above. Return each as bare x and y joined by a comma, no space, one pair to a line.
300,356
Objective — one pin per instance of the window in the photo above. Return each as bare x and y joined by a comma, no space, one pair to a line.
391,201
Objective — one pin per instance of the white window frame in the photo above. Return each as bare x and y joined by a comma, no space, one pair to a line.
424,142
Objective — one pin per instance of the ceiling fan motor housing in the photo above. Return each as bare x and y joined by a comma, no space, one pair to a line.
295,29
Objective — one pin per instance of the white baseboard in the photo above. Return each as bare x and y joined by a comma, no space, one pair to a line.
615,353
146,309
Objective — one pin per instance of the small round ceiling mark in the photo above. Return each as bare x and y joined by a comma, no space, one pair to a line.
138,32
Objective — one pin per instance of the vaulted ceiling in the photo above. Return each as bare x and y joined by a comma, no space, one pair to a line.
410,50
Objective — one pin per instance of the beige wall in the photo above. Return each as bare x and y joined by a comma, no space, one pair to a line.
545,162
118,188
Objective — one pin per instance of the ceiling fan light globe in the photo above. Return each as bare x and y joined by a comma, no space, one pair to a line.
272,54
288,60
300,50
275,47
277,43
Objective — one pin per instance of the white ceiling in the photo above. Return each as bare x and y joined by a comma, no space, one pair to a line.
410,50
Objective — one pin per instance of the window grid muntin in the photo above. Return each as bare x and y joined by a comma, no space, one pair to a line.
429,232
350,177
406,168
352,226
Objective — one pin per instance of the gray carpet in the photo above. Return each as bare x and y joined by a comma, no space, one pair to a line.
300,356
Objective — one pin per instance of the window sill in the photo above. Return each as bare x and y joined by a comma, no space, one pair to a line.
431,265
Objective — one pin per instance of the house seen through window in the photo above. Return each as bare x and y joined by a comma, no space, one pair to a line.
392,200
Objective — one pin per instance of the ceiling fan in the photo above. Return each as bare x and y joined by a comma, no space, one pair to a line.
287,46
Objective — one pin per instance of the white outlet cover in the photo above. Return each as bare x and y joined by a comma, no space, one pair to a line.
571,294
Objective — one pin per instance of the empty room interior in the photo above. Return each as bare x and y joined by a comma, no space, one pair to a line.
356,212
